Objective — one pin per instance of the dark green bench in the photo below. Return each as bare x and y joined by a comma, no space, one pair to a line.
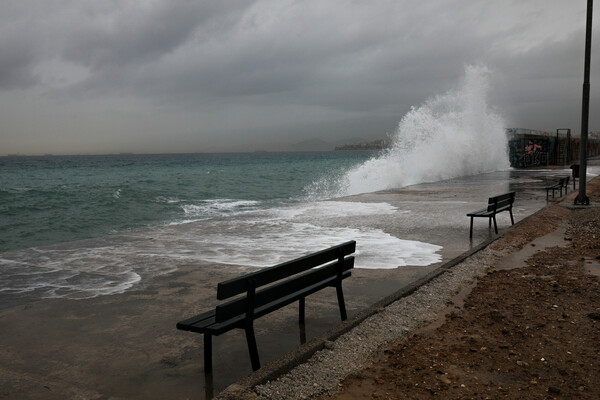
563,183
496,204
288,282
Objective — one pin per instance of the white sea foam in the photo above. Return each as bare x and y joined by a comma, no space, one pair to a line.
258,238
329,209
264,238
375,248
217,207
450,135
77,272
167,200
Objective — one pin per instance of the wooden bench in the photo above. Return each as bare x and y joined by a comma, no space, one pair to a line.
496,204
563,183
288,282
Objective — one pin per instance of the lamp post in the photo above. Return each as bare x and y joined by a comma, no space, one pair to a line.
585,110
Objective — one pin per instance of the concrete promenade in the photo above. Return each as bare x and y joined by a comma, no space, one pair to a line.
528,328
126,345
522,325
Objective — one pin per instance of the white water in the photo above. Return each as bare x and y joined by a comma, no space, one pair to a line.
262,238
453,134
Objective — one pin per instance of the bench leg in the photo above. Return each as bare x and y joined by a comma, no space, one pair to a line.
495,225
512,220
301,307
251,339
302,334
340,296
471,230
207,353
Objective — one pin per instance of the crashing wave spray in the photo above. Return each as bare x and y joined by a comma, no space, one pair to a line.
451,135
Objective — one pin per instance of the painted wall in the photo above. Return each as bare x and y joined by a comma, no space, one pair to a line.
531,148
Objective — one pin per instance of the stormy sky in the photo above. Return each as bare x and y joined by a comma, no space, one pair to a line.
89,76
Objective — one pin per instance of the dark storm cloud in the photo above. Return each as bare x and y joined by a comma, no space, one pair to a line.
545,85
246,72
138,36
16,66
337,61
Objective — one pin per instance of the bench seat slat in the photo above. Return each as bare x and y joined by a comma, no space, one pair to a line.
486,213
203,319
482,213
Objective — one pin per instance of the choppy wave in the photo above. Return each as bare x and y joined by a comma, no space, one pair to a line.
453,134
218,207
260,238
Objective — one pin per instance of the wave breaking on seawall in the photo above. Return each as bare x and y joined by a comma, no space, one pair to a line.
453,134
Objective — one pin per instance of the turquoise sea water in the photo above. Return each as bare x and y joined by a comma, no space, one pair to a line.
52,199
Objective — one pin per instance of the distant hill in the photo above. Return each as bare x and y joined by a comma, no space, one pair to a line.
366,145
355,143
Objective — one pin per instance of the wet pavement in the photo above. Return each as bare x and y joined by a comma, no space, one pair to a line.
431,212
141,323
436,212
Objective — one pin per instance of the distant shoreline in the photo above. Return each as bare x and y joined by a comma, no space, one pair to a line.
380,144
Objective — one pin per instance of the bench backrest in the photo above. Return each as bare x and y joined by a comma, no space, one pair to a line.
265,276
502,201
279,272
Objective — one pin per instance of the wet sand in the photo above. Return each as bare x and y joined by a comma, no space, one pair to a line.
126,345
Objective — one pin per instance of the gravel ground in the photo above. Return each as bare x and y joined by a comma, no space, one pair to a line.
348,354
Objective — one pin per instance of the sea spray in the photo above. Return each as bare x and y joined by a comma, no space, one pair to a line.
450,135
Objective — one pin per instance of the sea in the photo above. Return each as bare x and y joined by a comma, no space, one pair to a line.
50,199
82,226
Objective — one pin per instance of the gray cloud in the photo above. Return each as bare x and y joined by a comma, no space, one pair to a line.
240,75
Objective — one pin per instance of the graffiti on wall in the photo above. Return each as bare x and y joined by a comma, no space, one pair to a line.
529,147
529,152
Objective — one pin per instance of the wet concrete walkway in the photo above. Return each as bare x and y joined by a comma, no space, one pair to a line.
431,212
126,345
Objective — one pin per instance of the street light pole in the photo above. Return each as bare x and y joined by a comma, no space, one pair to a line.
585,110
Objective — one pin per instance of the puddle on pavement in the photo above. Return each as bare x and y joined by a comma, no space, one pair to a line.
518,258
